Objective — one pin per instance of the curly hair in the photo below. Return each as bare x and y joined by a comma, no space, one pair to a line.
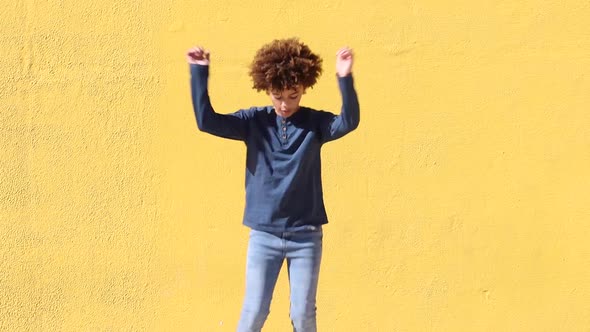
284,64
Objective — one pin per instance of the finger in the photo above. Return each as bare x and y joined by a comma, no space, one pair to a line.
193,54
344,55
198,52
344,52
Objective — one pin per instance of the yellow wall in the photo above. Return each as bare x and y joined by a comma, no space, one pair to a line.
460,204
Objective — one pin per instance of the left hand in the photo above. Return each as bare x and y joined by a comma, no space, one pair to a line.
344,61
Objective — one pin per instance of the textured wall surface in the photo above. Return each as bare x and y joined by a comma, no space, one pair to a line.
460,204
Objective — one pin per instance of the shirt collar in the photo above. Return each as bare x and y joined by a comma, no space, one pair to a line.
296,117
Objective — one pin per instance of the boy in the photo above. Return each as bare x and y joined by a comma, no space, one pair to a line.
284,201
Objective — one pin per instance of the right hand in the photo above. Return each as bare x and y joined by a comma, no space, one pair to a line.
197,55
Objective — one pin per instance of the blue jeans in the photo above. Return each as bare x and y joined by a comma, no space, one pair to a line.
266,253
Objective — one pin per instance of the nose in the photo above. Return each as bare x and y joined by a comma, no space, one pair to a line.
283,104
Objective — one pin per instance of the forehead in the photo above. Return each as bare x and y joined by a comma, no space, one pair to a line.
291,91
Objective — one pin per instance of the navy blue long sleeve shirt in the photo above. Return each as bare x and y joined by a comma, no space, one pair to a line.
283,164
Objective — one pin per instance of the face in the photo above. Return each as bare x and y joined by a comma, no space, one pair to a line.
286,102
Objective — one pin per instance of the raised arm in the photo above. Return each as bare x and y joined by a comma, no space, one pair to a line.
232,126
336,126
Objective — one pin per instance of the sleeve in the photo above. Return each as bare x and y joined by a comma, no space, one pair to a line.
232,126
335,126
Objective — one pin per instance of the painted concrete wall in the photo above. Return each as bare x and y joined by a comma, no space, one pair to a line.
460,204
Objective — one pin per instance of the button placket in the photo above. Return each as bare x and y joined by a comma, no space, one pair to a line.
284,131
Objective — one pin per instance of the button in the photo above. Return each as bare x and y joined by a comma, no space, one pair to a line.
284,136
284,128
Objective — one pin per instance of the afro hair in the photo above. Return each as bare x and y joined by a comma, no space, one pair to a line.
284,64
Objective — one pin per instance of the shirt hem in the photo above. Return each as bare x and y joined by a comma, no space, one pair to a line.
275,229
